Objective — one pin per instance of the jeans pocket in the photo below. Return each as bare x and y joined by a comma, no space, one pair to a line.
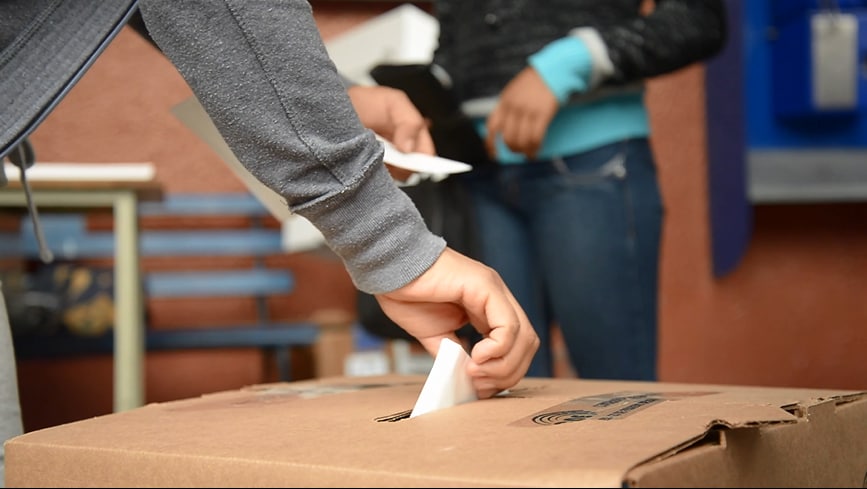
602,165
601,176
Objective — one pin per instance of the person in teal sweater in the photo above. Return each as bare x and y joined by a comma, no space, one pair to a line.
571,213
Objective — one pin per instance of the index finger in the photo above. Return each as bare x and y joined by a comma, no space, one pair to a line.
500,324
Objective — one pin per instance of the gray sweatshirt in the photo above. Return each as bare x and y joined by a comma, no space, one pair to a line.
261,71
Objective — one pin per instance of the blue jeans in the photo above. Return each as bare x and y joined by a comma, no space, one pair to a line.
577,241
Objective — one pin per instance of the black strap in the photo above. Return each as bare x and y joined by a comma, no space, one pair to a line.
23,157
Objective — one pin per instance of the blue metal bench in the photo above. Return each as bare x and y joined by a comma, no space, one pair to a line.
69,238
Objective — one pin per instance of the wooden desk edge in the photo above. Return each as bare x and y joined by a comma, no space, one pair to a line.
146,190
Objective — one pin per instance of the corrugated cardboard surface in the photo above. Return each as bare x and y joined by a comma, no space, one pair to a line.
354,432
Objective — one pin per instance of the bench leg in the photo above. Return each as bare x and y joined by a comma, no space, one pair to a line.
283,358
335,342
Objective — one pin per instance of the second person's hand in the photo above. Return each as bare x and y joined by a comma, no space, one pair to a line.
522,114
390,113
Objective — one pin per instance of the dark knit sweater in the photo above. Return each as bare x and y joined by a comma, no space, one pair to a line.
483,44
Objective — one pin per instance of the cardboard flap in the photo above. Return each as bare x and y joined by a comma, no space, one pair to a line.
825,447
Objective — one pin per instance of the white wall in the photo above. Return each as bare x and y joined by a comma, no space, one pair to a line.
404,34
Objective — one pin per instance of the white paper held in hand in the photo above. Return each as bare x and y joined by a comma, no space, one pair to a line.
420,162
448,383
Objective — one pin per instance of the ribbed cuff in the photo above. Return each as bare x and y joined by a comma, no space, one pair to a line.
385,246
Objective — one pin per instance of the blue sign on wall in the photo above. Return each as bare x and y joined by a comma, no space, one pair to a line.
786,112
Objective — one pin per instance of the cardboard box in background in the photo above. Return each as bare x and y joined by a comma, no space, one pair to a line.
355,432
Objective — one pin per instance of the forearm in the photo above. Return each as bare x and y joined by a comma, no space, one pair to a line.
261,71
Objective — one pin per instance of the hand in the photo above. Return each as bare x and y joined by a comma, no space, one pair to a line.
522,114
390,113
457,290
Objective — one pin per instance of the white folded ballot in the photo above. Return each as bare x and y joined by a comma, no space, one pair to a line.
448,383
425,166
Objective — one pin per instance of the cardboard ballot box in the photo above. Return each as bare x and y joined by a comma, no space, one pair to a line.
356,431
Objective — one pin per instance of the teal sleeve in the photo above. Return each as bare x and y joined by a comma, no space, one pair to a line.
565,66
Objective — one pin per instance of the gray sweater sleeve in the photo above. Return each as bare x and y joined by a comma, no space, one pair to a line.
261,71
